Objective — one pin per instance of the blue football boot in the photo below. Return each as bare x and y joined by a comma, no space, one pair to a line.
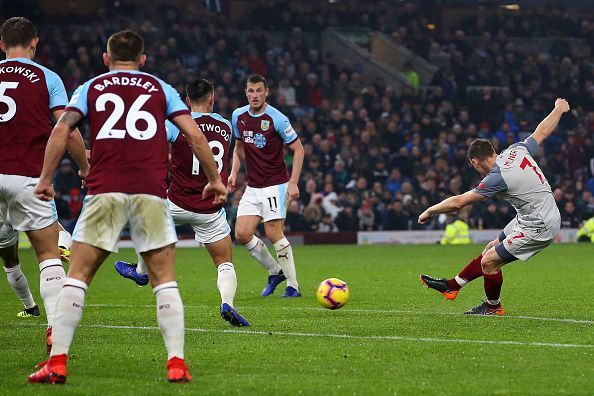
128,270
273,282
232,316
291,292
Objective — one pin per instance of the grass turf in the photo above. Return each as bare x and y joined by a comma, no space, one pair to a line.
393,337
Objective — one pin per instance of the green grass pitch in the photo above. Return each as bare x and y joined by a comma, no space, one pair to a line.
393,337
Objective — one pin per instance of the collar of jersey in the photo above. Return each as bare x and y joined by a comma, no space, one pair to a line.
196,114
25,60
257,115
124,71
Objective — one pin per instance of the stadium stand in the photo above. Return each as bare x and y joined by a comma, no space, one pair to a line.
376,155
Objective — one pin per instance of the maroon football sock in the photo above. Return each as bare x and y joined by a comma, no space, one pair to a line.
472,271
493,285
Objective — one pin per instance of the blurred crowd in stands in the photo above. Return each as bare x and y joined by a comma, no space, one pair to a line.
376,157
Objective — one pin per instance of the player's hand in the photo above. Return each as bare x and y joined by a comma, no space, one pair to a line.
231,182
562,105
292,191
83,175
44,191
218,189
425,217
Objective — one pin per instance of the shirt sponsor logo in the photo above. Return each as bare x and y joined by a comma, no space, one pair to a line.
248,136
480,186
289,131
259,140
265,124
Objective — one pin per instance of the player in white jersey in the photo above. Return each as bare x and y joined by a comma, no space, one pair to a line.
515,177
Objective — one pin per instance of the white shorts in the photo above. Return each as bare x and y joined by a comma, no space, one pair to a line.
104,216
8,236
208,227
270,203
25,210
517,242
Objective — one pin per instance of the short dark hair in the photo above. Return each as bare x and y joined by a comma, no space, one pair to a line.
256,78
198,89
17,31
125,46
480,149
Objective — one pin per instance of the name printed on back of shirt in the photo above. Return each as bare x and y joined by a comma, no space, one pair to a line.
131,81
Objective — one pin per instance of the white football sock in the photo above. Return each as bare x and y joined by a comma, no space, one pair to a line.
227,282
64,239
258,250
69,311
51,279
170,315
19,284
140,267
460,281
493,302
284,253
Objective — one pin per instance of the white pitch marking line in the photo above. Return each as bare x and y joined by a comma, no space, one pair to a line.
568,320
395,311
346,336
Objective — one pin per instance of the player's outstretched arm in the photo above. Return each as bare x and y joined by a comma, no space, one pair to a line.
76,147
238,157
549,124
299,154
54,151
450,205
202,151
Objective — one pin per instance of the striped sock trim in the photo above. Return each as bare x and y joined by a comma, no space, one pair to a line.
164,286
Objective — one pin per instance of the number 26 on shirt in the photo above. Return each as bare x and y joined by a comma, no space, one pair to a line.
134,115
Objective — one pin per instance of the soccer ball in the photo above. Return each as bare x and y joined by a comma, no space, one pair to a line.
332,293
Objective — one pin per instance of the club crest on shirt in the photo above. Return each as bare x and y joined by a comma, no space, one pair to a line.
259,140
265,124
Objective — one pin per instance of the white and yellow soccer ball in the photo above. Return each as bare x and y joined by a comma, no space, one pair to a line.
333,293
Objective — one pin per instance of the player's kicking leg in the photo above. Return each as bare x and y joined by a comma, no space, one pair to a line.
64,244
220,252
245,228
450,287
9,248
134,271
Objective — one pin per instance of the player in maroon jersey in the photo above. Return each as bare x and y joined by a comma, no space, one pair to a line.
187,206
30,96
261,132
127,110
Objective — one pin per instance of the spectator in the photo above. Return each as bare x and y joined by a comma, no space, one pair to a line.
66,179
570,217
327,225
366,217
397,218
346,220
